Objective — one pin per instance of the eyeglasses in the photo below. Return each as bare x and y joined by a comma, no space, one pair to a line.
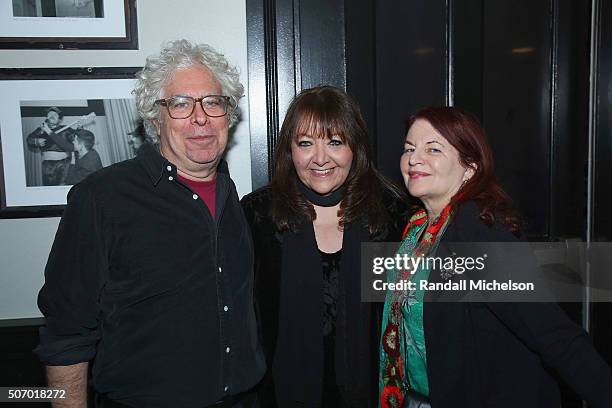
182,107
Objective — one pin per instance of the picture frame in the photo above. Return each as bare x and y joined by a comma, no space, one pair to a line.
36,169
68,24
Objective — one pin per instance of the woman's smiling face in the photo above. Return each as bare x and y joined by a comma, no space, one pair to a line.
322,163
431,167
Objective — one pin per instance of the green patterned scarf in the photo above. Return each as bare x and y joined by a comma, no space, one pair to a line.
393,381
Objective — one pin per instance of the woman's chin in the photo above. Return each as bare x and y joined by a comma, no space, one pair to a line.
323,192
322,189
416,192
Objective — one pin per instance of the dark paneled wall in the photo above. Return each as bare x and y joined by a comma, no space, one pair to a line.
516,102
411,63
468,26
360,53
570,108
523,67
602,188
603,129
322,43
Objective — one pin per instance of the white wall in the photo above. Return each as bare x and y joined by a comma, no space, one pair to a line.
25,243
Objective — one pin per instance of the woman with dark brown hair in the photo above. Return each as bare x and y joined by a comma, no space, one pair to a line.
325,198
462,354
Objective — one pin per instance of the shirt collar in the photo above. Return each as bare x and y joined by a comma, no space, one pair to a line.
158,167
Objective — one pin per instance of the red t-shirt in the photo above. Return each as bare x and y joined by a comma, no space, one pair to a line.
206,190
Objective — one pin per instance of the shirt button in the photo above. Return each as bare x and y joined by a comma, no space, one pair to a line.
220,270
227,349
169,168
170,178
225,308
195,196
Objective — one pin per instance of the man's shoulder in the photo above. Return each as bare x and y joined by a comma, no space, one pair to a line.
107,178
91,156
96,157
108,186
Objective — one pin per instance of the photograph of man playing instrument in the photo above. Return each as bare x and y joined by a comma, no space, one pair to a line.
66,140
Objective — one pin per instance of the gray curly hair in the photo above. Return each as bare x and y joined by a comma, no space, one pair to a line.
174,56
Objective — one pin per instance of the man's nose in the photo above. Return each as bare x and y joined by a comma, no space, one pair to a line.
199,116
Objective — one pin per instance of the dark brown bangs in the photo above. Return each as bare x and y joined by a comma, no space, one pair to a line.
320,121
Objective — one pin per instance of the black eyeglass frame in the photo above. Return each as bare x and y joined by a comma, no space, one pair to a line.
231,104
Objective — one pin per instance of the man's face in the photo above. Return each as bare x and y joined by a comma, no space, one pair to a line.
194,144
76,143
53,118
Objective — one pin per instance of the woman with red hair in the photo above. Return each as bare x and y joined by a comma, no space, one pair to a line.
468,354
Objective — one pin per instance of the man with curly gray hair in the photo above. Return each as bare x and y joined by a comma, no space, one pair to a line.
159,284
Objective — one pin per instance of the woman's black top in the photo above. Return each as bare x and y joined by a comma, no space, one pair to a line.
330,265
293,283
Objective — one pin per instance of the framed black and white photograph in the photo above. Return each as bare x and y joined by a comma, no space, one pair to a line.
58,8
55,132
68,24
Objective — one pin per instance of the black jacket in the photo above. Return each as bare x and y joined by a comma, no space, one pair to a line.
142,278
268,272
501,354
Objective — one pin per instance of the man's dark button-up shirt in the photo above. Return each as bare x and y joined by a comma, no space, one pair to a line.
143,280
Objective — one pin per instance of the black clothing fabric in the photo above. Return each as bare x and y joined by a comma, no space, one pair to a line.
55,142
288,292
101,401
330,265
501,354
145,147
242,400
83,167
141,278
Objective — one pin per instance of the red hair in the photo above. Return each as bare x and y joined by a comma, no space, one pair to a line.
464,132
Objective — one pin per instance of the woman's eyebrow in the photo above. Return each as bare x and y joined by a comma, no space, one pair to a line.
434,141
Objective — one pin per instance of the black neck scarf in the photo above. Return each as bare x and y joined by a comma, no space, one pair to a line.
317,199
